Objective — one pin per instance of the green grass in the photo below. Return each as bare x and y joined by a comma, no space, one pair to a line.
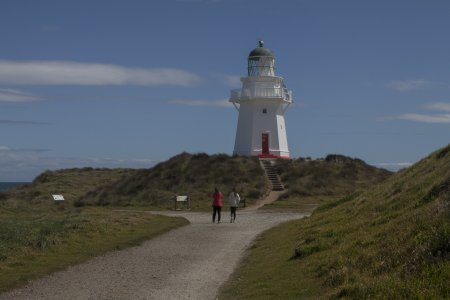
389,242
38,243
300,204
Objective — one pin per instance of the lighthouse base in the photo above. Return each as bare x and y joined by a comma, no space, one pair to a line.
272,156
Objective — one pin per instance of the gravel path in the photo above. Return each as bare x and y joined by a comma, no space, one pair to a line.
190,262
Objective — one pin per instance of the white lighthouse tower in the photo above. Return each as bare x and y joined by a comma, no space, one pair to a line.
261,102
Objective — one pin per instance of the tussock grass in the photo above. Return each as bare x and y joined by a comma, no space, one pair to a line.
35,244
195,175
336,175
389,242
71,183
314,182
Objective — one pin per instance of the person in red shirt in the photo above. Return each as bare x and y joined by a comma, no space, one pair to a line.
217,204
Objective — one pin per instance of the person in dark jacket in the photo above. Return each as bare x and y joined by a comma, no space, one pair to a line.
217,204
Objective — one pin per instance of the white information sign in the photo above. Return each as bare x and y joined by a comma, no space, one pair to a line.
58,197
182,198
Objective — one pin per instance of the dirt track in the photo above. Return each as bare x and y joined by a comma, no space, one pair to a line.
191,262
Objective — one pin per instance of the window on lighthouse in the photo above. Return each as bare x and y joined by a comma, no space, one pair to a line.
261,66
264,111
265,66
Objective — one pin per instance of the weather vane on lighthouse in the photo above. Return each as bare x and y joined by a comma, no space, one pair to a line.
261,102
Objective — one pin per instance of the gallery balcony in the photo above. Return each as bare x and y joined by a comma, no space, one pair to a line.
242,95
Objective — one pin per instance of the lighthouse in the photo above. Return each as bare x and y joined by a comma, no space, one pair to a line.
261,103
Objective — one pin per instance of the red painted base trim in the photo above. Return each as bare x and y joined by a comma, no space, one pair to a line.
272,156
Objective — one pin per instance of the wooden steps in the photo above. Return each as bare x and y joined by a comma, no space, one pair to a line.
272,174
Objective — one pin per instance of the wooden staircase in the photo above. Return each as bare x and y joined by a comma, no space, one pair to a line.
272,174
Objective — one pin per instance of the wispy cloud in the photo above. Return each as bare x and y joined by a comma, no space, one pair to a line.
443,106
445,118
11,95
22,150
211,103
408,85
232,80
25,164
77,73
443,115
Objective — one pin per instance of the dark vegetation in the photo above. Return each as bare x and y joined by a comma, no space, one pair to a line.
195,175
71,183
391,241
336,175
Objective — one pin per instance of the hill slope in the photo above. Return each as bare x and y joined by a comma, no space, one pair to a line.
71,183
195,175
392,241
336,175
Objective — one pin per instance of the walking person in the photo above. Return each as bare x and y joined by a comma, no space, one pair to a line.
233,200
217,204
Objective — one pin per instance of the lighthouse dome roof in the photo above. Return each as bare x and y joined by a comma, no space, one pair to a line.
260,51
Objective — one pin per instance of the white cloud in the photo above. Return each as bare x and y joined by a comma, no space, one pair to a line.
232,80
4,148
216,103
438,106
408,85
11,95
444,118
76,73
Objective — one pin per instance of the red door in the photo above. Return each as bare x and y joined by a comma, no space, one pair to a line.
265,143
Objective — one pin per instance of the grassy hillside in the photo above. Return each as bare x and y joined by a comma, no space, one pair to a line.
35,244
312,182
71,183
390,242
335,175
39,236
195,175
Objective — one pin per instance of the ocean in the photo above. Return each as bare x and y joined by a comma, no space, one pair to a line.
7,185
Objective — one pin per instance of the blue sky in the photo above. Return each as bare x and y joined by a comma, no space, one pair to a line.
131,83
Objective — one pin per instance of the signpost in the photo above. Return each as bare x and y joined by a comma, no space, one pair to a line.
58,197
